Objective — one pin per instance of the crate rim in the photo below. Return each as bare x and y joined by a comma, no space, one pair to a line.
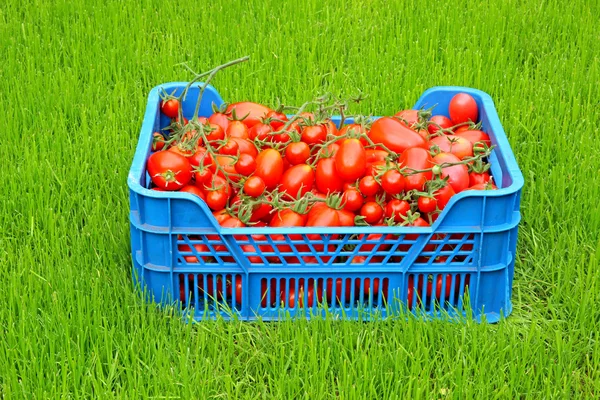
138,166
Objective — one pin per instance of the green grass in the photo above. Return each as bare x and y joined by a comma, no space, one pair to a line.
74,80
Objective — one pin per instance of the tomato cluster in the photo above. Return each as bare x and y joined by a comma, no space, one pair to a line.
259,167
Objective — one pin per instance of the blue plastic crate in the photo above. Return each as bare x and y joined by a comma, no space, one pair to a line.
182,256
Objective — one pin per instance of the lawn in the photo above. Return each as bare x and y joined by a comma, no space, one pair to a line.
74,80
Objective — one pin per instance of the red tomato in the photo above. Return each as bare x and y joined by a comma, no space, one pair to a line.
230,148
426,204
416,158
346,217
477,178
397,209
483,186
237,129
458,175
227,164
297,153
314,134
260,131
456,145
287,218
219,119
351,160
269,166
326,176
158,141
375,168
216,133
263,211
352,199
297,181
203,177
408,117
463,108
200,156
392,182
276,119
253,112
438,121
323,216
245,165
189,188
331,128
372,212
245,146
168,170
368,186
443,196
475,136
375,155
216,199
352,129
329,151
394,135
254,186
170,108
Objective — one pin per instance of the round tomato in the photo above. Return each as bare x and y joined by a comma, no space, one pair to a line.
251,112
276,119
352,199
352,129
297,181
168,170
216,199
245,165
372,212
416,158
189,188
438,121
346,217
297,153
443,196
477,178
463,108
269,166
219,119
368,186
395,136
408,117
288,217
260,131
458,175
158,141
314,134
254,186
456,145
216,133
230,148
351,160
326,176
426,204
245,146
170,108
397,209
392,182
237,129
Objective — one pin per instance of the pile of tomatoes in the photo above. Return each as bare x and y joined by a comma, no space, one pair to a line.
253,165
257,166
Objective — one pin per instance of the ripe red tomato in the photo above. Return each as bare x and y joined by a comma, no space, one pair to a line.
352,199
245,165
346,217
170,108
475,136
438,121
245,146
394,135
237,129
322,216
288,217
269,166
254,186
216,199
483,186
314,134
203,177
276,119
297,153
416,158
327,179
260,131
352,129
458,175
230,148
297,181
219,119
397,209
463,108
392,182
368,186
351,160
426,204
158,141
408,117
253,112
443,196
217,133
372,212
456,145
189,188
477,178
168,170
